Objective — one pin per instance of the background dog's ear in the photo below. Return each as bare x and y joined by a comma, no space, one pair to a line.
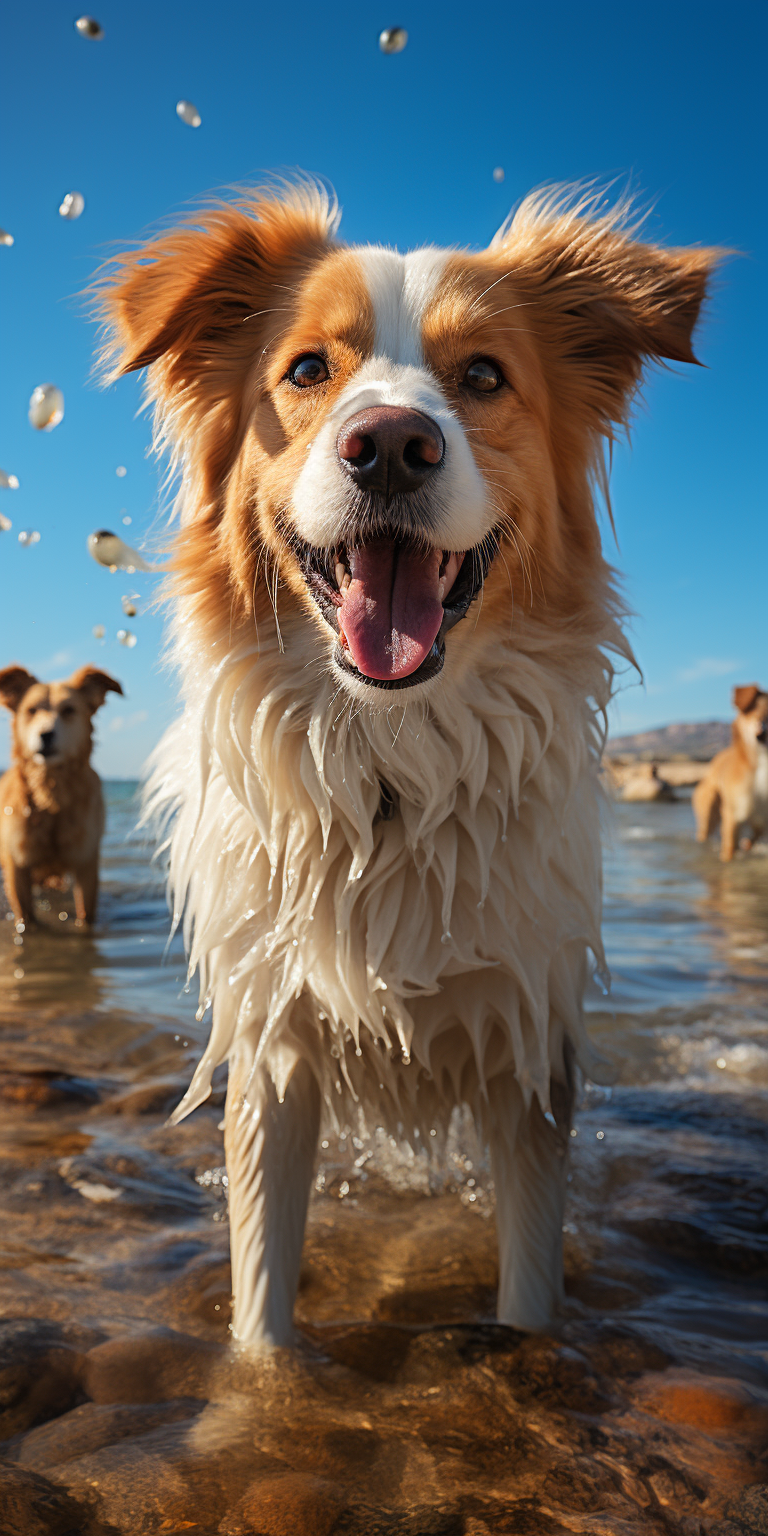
745,697
14,682
603,302
94,686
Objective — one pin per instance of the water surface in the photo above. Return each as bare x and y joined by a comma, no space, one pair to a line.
406,1409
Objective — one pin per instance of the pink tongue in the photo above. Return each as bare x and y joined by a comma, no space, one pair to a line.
391,611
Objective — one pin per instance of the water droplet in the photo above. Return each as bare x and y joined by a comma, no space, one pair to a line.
46,407
343,1189
127,638
8,482
573,1132
127,522
107,548
88,27
129,603
498,174
295,943
99,631
5,238
63,917
188,114
121,471
72,205
18,973
28,537
603,979
504,837
393,39
177,1037
600,1135
446,938
721,1062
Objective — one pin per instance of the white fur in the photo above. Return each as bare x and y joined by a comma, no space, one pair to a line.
401,289
410,964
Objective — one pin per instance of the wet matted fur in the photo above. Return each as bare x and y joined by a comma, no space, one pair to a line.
390,883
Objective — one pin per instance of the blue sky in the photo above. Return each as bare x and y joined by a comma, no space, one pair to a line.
664,95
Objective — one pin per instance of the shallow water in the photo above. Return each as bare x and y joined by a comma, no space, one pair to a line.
406,1410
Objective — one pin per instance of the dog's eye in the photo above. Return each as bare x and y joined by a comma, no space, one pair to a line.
67,712
483,376
308,370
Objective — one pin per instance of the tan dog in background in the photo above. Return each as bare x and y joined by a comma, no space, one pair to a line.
735,788
51,806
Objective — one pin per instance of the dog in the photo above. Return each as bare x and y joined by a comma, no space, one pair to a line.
734,790
394,627
51,806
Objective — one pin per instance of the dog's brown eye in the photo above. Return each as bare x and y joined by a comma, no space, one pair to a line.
483,376
308,370
67,712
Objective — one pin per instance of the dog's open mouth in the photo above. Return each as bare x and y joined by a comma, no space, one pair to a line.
391,601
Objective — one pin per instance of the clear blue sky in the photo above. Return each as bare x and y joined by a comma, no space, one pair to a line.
666,94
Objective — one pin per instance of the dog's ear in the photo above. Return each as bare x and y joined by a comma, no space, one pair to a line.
94,685
602,302
14,683
192,288
746,697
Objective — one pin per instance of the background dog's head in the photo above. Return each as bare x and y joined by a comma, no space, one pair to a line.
381,435
751,723
52,721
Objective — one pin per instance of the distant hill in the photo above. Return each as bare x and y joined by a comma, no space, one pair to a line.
699,739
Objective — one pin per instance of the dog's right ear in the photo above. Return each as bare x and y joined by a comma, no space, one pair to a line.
744,698
185,292
14,683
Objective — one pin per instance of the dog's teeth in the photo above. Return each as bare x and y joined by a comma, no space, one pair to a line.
346,581
339,571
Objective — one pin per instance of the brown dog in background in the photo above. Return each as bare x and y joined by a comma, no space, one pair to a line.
734,790
51,806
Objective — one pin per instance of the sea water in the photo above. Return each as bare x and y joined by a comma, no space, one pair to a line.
125,1406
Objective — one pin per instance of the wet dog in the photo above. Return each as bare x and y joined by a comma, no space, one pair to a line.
51,807
734,790
394,626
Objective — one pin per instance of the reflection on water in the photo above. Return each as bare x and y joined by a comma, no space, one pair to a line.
406,1408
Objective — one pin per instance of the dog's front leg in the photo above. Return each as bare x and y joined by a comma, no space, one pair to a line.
270,1150
18,889
87,892
529,1162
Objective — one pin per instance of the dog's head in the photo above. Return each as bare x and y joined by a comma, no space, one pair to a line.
52,721
378,436
751,723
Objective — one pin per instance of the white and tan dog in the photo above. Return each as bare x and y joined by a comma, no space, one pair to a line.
393,624
734,790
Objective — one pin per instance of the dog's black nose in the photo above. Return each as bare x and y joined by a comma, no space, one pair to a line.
390,449
46,743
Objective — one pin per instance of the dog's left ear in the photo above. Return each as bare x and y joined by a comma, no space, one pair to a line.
94,686
602,302
746,697
14,683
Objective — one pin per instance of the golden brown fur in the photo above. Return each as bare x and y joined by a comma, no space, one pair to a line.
734,791
51,808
